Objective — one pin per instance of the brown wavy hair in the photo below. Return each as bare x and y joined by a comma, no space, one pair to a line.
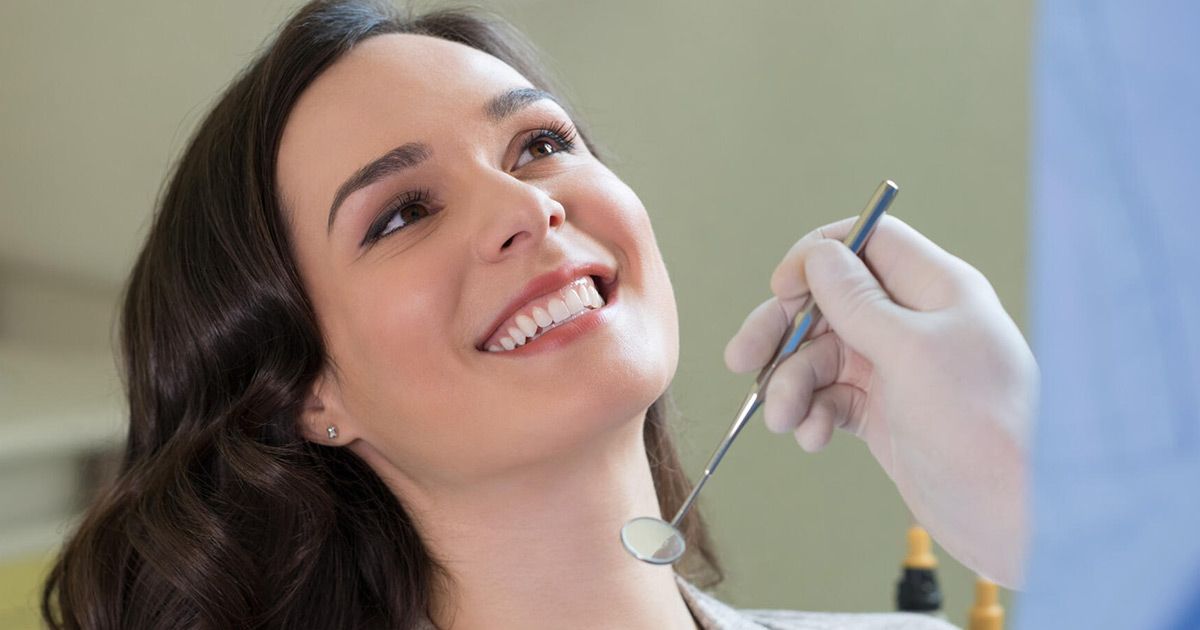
222,515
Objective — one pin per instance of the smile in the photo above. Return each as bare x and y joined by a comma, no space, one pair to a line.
546,313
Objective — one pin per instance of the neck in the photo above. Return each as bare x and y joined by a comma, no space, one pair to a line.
540,548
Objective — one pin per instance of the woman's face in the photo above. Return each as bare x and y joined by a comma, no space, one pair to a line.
481,189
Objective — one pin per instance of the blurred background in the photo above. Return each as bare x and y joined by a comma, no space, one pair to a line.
741,125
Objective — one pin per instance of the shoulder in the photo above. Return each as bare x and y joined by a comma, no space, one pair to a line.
797,620
714,614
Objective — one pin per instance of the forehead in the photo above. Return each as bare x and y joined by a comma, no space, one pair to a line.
400,77
410,72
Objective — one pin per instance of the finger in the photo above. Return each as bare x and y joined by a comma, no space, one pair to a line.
813,366
756,341
854,303
836,406
788,280
905,261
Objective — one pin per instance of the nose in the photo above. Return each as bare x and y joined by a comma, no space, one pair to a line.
517,215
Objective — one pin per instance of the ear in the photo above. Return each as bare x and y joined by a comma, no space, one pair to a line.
323,408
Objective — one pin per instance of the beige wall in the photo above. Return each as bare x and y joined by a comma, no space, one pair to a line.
741,124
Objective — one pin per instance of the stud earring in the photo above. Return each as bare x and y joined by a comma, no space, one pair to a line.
332,431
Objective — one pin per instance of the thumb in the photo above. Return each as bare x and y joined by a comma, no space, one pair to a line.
852,301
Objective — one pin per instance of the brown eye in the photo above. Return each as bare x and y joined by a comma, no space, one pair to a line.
542,148
406,210
403,217
546,142
412,213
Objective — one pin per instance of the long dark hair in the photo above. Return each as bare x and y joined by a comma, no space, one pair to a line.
222,514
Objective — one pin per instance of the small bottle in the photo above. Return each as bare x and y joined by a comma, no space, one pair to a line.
918,591
986,613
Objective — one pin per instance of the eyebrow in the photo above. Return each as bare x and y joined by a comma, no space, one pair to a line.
402,157
514,100
413,153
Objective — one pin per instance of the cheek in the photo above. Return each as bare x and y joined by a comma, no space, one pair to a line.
610,209
626,224
621,220
660,296
415,398
396,349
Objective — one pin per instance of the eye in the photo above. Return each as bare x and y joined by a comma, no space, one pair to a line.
403,211
546,142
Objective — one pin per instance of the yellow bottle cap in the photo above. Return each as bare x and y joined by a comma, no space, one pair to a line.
986,614
920,550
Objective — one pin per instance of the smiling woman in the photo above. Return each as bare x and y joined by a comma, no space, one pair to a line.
315,438
397,352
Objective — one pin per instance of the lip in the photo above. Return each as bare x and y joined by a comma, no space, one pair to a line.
562,334
547,282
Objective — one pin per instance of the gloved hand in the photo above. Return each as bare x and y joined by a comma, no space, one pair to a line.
916,356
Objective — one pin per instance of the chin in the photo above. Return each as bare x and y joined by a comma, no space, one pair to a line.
606,386
577,416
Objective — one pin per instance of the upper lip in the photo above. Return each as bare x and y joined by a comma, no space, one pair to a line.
545,283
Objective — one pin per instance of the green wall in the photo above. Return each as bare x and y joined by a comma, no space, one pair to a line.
743,125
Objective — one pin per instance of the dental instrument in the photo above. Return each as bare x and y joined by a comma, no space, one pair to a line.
653,540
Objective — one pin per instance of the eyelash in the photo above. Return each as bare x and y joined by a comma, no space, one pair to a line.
562,133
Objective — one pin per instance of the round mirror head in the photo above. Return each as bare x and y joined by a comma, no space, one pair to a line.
652,540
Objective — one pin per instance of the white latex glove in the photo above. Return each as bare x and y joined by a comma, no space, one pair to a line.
917,357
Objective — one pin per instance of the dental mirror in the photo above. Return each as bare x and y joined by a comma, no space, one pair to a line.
652,540
656,541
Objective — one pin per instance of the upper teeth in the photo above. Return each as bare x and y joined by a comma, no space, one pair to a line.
546,313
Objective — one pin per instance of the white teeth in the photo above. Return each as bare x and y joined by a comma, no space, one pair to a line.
559,310
527,325
574,304
577,297
542,318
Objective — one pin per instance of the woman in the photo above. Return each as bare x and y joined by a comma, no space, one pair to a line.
397,351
